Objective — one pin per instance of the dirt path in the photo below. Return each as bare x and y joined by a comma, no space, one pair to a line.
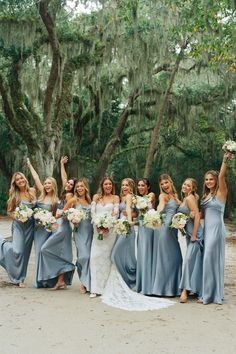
37,321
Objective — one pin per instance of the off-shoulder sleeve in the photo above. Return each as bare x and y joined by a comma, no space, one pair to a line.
116,210
93,209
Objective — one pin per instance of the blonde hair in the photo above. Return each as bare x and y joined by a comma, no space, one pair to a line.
54,194
194,187
206,190
86,187
14,192
100,191
130,183
167,177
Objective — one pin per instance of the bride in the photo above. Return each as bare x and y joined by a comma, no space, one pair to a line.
105,202
122,278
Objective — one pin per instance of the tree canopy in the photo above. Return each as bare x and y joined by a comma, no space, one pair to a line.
128,88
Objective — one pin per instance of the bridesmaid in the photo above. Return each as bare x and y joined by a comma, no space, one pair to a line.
84,233
14,256
167,258
123,253
47,200
105,201
68,184
191,281
144,244
213,205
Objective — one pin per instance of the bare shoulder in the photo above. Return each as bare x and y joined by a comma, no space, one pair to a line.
69,196
152,196
96,198
163,197
32,191
116,199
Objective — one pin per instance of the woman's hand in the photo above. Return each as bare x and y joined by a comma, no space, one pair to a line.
64,159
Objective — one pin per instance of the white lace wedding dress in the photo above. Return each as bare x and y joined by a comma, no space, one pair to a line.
118,294
100,258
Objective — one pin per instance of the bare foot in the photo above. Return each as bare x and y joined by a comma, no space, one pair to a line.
59,286
21,285
82,289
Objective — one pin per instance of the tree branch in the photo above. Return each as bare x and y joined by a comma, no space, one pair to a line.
56,60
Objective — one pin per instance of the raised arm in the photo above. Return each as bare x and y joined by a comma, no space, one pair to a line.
193,208
64,177
35,176
222,189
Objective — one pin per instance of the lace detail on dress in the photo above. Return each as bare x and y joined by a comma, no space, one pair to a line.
118,294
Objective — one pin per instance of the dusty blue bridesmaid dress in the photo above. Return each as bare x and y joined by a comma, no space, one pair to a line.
167,258
56,256
83,237
123,255
144,260
214,251
192,271
14,255
40,236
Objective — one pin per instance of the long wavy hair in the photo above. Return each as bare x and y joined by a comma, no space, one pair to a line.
14,192
206,190
100,191
54,194
146,182
130,183
194,187
86,187
64,192
166,177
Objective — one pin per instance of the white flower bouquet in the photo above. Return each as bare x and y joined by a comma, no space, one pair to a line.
179,221
229,146
152,219
122,227
23,213
45,218
104,223
75,216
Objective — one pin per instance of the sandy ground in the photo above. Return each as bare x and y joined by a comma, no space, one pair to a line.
35,321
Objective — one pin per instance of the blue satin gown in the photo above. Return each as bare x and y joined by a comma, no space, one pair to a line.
14,255
56,256
192,271
214,251
83,237
144,260
123,255
167,257
40,236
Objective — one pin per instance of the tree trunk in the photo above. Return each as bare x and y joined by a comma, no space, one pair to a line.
115,139
163,105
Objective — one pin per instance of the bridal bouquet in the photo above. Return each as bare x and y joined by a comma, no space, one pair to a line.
45,218
179,221
152,219
23,213
142,204
229,146
104,223
75,216
122,227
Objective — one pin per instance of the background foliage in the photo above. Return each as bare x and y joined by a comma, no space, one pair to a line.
113,87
